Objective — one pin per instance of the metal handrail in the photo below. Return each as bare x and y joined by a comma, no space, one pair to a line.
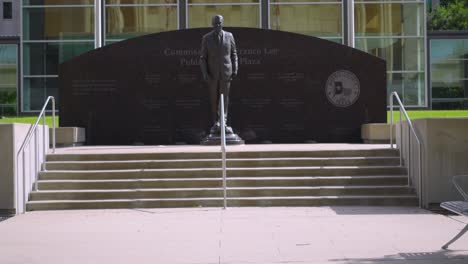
27,141
410,124
223,148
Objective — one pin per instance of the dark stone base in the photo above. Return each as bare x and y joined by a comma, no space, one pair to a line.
215,139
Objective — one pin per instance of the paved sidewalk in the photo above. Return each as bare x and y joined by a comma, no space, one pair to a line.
236,235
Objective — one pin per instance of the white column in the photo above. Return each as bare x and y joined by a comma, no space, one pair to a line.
350,23
97,23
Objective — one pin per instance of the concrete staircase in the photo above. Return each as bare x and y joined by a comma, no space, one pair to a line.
192,179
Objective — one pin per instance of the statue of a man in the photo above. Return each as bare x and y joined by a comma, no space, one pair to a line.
218,61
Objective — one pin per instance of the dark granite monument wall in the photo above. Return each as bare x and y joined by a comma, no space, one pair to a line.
291,88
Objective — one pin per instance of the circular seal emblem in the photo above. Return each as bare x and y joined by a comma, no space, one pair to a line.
342,88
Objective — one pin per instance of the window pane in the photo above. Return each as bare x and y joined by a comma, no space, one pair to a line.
7,10
410,87
304,1
220,1
400,54
388,19
8,79
58,2
44,58
336,40
58,23
370,1
127,22
444,49
315,20
449,72
36,90
139,2
234,16
461,104
449,69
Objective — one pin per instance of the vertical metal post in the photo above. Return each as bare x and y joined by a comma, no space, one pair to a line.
44,142
351,41
420,177
223,147
36,154
24,181
182,10
265,14
401,138
53,127
97,24
409,154
391,121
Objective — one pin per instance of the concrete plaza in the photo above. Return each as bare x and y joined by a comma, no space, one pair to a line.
236,235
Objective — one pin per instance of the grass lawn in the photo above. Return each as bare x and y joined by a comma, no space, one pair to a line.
413,115
29,120
428,114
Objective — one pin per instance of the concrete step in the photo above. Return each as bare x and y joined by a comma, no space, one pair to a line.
217,182
216,172
216,163
218,192
381,200
230,155
188,178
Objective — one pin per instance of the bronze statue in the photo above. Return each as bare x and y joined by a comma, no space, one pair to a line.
218,61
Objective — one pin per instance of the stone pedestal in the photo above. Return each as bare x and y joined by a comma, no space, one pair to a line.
214,138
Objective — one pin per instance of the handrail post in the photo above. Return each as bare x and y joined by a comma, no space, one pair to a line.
410,129
420,176
44,167
391,122
53,125
401,136
410,165
223,148
26,179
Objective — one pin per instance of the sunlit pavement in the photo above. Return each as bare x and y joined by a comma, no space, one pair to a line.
235,235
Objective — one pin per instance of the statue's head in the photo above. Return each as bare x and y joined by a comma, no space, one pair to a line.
217,23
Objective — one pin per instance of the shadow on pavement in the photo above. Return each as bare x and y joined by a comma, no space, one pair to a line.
441,256
378,210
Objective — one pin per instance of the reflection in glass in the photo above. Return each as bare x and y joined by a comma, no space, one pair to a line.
139,2
388,19
304,1
36,90
314,20
449,73
131,21
444,49
58,23
58,2
409,86
8,79
221,1
400,54
45,58
234,16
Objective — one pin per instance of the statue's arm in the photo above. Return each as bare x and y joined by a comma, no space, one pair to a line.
234,57
204,59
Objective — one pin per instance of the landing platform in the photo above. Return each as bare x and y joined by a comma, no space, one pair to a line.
198,148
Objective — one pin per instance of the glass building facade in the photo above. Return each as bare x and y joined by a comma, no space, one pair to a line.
56,30
8,78
449,71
